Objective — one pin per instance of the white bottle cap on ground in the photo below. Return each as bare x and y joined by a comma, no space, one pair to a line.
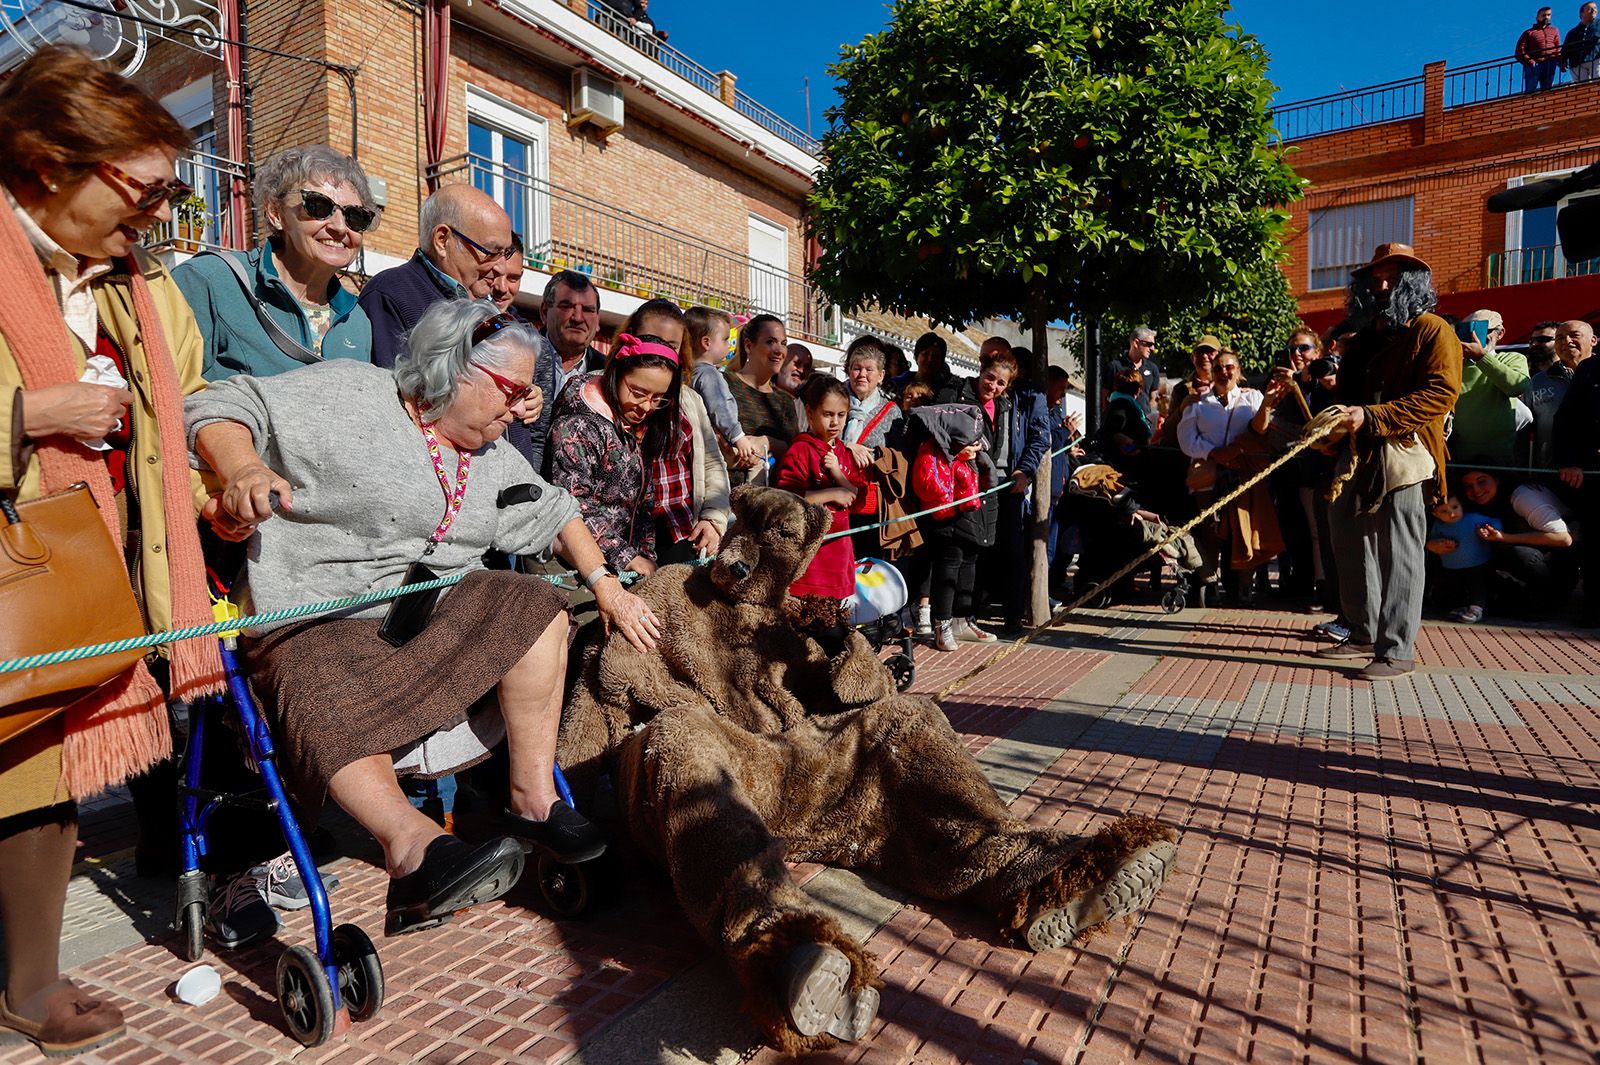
199,985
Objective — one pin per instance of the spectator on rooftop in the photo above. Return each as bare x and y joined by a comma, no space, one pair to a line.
1485,414
1539,52
1580,52
317,208
766,412
1570,343
466,235
1140,359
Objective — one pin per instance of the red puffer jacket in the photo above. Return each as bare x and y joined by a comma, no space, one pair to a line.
940,482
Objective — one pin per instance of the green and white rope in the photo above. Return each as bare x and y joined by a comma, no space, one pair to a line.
328,606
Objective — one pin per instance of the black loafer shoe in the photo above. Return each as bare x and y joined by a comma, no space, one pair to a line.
566,835
453,876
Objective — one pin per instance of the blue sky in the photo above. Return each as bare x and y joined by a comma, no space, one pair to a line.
1315,48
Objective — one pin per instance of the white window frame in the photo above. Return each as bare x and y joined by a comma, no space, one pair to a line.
759,276
506,118
1514,218
1311,226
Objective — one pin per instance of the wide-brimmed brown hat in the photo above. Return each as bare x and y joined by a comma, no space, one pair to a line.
1394,252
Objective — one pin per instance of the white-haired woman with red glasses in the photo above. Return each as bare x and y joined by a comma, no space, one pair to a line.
356,478
282,305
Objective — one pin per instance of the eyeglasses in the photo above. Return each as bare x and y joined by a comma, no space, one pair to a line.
490,255
1206,352
1302,349
357,219
510,389
149,194
1145,343
646,398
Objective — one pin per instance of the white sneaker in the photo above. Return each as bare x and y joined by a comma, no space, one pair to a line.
924,626
967,631
944,637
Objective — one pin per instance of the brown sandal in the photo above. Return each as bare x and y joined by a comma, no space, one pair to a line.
74,1022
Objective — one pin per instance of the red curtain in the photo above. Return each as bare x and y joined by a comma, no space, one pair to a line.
436,82
239,227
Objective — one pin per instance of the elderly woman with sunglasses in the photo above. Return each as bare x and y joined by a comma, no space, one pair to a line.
399,686
282,305
97,349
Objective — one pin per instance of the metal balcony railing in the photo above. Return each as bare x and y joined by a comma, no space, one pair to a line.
610,20
201,223
1521,266
627,252
1493,79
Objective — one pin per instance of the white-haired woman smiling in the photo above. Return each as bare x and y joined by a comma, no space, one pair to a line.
374,472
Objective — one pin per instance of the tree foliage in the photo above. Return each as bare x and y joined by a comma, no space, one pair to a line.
1254,316
1049,157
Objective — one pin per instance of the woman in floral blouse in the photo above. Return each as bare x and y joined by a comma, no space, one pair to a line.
603,434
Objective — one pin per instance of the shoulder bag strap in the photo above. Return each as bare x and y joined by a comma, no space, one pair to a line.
275,332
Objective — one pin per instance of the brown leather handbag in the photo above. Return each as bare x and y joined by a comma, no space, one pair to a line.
62,584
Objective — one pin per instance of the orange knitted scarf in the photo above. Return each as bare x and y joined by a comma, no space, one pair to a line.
122,729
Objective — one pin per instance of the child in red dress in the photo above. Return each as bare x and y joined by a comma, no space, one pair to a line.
820,469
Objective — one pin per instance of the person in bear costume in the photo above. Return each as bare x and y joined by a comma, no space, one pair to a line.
763,730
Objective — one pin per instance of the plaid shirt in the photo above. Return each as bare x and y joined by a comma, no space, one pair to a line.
674,486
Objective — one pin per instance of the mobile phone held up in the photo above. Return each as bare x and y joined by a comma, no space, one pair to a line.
1475,331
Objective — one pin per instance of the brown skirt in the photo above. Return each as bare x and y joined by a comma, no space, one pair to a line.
335,693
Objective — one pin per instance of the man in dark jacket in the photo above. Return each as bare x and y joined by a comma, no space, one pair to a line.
1539,52
1580,52
1398,380
1577,450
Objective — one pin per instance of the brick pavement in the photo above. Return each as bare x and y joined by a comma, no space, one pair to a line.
1403,873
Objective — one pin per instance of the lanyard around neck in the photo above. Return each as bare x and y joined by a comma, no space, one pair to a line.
453,496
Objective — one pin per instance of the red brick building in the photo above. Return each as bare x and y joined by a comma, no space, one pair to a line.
613,153
1416,160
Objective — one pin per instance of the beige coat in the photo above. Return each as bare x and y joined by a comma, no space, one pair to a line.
19,466
707,466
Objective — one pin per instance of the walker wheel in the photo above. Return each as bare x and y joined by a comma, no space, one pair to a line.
305,996
360,971
565,887
1173,601
192,921
903,669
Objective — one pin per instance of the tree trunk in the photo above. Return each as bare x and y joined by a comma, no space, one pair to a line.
1037,523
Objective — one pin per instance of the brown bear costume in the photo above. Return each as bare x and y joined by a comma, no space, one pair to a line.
756,735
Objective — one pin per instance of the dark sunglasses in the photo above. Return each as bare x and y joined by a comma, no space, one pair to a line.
492,255
513,392
357,219
1302,349
1541,340
149,194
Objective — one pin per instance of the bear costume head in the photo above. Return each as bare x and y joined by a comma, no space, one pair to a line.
775,535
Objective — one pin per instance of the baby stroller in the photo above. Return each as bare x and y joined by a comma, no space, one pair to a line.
880,597
1115,530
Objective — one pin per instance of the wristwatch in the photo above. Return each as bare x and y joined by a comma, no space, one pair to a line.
598,574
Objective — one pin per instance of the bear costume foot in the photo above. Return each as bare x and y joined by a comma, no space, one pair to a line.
820,997
807,984
1118,873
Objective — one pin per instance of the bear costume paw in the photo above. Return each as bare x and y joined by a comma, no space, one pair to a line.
1116,874
807,983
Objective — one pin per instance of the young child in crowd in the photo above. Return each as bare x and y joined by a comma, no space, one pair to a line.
915,394
945,476
1464,558
819,468
708,338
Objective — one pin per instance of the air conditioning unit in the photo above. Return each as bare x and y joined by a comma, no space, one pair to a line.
595,100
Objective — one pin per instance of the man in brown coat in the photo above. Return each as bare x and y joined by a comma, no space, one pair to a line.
1398,380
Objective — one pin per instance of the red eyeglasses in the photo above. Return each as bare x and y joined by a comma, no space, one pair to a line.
513,392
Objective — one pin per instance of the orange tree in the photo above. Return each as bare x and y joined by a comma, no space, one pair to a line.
1047,159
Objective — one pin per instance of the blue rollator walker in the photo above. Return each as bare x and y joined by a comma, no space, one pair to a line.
320,991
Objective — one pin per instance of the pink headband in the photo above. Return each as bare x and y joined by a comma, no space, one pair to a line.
628,344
